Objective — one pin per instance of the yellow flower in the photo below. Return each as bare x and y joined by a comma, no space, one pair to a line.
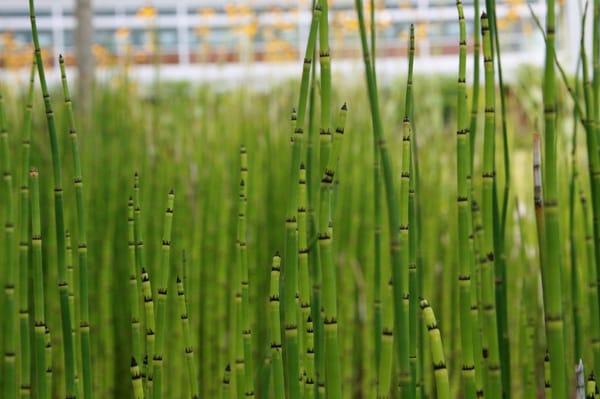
147,12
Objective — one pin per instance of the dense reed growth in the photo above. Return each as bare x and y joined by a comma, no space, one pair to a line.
366,250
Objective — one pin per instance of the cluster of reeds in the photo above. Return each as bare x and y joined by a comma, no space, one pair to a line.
319,279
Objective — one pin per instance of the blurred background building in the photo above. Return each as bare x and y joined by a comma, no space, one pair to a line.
200,38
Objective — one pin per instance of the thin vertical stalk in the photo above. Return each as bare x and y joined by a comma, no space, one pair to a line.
487,210
39,317
592,281
136,380
592,152
276,358
463,160
289,286
309,380
547,377
333,383
48,359
575,274
10,310
24,249
412,292
187,336
553,308
402,337
150,329
303,268
437,352
225,383
74,305
134,303
141,268
63,287
384,367
475,89
161,308
393,214
242,257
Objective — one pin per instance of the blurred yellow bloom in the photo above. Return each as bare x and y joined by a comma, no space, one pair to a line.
147,12
250,29
503,23
8,40
512,14
421,30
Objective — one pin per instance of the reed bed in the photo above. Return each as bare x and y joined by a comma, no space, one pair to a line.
383,248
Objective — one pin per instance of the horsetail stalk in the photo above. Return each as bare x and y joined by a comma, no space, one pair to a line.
402,338
66,311
141,266
413,294
575,273
242,248
74,306
225,383
553,308
136,380
547,377
303,267
161,308
306,69
275,330
290,314
309,380
325,63
291,247
463,161
487,209
384,371
475,90
10,332
333,383
39,319
413,288
150,329
393,216
590,120
377,273
437,351
187,336
48,359
590,387
24,249
592,281
134,303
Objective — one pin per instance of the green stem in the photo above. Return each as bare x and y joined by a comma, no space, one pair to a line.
437,352
63,288
39,318
161,308
24,249
333,383
553,264
463,161
487,209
